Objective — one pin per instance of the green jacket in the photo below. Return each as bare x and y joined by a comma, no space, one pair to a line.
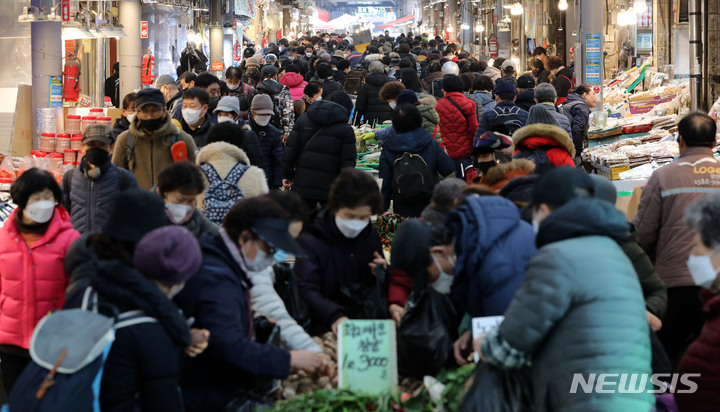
581,310
430,117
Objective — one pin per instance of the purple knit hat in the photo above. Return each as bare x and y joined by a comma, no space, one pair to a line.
171,255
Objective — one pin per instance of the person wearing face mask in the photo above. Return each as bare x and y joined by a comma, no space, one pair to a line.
270,139
211,84
425,253
134,263
704,265
179,185
128,114
343,249
171,92
311,94
580,309
238,88
219,298
90,190
284,115
489,151
146,148
33,244
228,110
196,120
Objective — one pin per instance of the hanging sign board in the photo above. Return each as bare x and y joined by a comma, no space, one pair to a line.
367,356
143,30
483,325
234,24
496,19
65,10
592,58
217,65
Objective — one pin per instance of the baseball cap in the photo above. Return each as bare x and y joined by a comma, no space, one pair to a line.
229,104
98,132
163,80
504,87
149,96
507,63
268,71
526,81
275,233
249,52
562,184
270,58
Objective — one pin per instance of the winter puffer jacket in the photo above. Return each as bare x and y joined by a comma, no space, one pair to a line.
561,119
142,371
218,297
330,86
428,80
295,83
498,176
271,144
333,262
368,103
152,151
314,165
200,135
266,301
486,99
430,117
416,142
489,117
223,157
90,201
457,128
121,125
493,246
577,111
549,139
32,279
702,357
526,100
579,311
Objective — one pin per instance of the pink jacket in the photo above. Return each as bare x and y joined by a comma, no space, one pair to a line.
32,281
295,83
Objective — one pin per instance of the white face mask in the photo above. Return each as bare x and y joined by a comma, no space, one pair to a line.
392,105
318,99
178,213
191,116
262,120
131,117
233,86
40,212
350,228
308,55
702,270
222,119
262,260
443,283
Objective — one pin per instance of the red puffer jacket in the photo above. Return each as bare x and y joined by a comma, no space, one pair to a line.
295,83
703,357
32,280
457,130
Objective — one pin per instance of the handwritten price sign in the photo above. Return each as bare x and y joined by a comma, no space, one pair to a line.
367,352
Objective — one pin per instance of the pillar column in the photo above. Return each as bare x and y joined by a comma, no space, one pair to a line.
696,54
216,32
589,23
130,47
46,46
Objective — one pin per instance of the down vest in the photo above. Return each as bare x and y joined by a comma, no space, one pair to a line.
32,280
580,311
90,201
457,128
368,103
493,246
314,165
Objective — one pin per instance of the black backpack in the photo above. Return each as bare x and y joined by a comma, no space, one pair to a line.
436,88
412,180
355,80
538,156
507,116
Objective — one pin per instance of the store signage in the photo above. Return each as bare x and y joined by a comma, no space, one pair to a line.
65,9
367,356
217,65
592,58
483,325
56,92
143,30
496,19
596,89
234,24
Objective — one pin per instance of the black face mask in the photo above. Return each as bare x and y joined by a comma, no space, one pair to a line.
151,125
484,167
212,104
97,156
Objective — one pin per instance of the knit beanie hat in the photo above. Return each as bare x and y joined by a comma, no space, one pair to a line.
407,96
136,213
446,192
539,114
171,255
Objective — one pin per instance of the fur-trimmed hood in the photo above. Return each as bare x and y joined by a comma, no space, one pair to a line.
544,130
373,57
224,156
505,172
427,100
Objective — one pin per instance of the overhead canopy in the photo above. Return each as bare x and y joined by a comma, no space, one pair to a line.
394,22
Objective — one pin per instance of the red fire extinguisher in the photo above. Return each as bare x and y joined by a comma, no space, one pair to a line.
279,34
71,79
493,46
265,42
236,52
148,67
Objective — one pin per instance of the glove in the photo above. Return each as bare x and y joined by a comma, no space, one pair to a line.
368,136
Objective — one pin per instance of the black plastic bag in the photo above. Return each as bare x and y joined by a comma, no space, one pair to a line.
426,334
365,301
497,390
287,288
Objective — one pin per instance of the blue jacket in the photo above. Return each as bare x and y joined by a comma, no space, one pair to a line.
486,99
218,298
578,113
493,246
90,201
271,145
489,117
419,142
